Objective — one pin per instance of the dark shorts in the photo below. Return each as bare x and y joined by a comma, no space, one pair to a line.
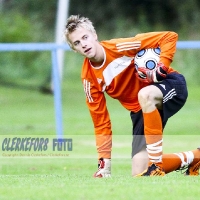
175,93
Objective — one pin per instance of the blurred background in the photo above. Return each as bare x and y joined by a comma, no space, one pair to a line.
35,21
25,77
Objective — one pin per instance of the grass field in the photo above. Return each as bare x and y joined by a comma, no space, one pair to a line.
28,113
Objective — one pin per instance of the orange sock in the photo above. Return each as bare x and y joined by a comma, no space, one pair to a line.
171,162
174,161
153,134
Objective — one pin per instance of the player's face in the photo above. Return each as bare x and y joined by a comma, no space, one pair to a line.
84,42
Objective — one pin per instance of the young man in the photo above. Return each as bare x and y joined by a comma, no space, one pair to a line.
151,99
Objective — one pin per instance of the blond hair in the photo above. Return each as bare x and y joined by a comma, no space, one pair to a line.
74,22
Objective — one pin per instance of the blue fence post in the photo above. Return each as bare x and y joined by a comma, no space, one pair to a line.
57,94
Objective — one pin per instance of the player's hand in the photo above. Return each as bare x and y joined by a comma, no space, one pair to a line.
152,76
104,168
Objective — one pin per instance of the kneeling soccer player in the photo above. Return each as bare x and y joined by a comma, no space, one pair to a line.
151,98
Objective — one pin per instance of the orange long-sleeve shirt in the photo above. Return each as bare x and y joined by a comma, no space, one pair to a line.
116,77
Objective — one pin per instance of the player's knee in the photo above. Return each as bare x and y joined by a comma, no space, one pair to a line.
145,98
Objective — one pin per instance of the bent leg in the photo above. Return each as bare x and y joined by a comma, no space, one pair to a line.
175,161
150,98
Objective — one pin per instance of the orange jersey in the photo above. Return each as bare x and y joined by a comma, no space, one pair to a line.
116,77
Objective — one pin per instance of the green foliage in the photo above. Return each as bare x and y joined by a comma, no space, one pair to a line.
18,27
32,68
37,10
141,16
34,21
14,28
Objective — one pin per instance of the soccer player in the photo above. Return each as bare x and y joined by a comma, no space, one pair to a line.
151,98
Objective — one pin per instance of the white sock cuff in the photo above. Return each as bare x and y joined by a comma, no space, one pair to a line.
189,158
181,156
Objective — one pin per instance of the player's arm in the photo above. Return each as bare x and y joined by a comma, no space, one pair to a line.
166,40
96,103
102,126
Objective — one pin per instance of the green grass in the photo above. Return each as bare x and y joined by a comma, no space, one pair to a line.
48,179
28,113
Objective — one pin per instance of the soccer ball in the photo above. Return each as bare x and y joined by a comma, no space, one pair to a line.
147,58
